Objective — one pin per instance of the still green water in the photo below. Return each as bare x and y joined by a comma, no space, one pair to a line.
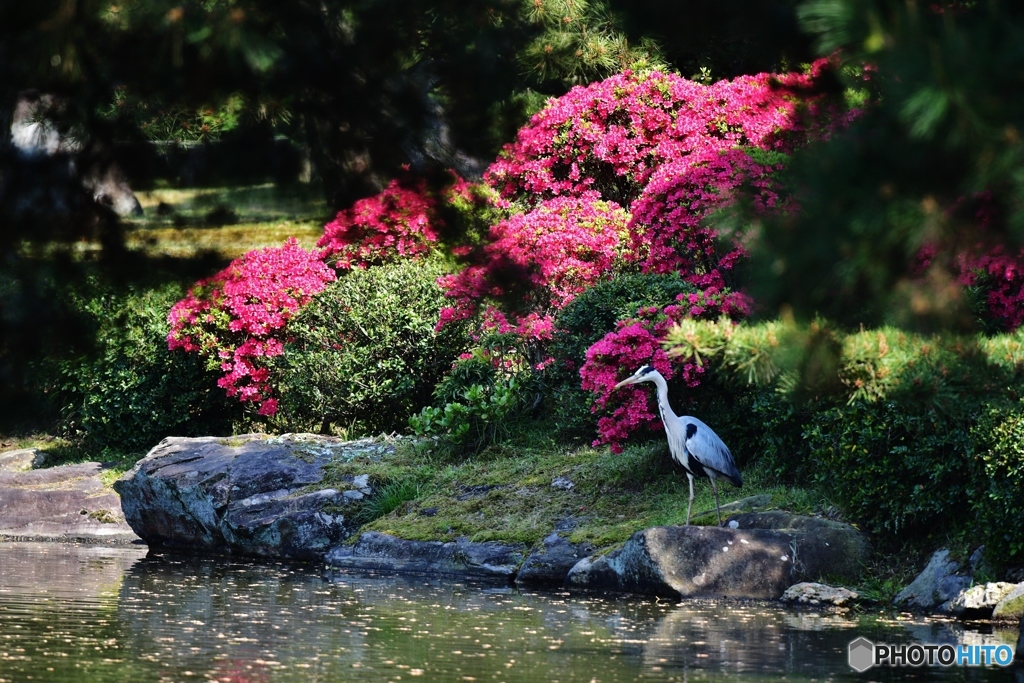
91,613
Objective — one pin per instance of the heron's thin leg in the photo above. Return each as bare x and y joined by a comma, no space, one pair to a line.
690,506
715,489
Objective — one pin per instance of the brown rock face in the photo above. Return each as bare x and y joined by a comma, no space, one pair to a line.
61,503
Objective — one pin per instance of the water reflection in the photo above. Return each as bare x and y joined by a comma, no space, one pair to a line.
116,614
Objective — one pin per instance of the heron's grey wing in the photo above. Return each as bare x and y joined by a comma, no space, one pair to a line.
676,435
710,450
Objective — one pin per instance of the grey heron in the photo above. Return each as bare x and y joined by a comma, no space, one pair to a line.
692,443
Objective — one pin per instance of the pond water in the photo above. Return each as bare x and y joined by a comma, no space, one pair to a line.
92,613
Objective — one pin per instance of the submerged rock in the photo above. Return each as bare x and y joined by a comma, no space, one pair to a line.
376,551
551,563
66,503
808,593
938,583
249,495
745,562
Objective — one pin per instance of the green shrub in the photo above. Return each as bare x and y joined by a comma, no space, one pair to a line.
583,322
364,353
130,391
892,468
882,420
819,363
486,398
998,503
759,425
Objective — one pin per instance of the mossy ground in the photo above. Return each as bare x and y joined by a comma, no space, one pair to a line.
506,492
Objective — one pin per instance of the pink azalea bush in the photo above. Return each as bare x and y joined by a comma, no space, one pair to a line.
669,226
666,153
613,135
546,256
236,318
404,220
663,151
401,220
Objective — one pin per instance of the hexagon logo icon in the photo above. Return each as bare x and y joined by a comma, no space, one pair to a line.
862,655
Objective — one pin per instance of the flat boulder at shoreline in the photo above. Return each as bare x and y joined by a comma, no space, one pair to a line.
64,503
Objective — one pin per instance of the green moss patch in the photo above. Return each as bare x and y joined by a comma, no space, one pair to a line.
506,493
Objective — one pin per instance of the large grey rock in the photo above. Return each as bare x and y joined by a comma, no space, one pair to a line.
939,582
250,495
692,561
826,547
976,602
550,564
1011,606
375,551
67,503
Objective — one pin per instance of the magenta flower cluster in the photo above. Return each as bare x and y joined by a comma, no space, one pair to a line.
1001,275
612,136
236,318
546,256
400,221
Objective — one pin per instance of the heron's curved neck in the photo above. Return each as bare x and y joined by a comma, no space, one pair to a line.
663,405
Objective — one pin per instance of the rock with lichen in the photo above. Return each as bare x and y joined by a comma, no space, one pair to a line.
250,495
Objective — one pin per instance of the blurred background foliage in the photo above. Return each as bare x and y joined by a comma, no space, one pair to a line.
934,162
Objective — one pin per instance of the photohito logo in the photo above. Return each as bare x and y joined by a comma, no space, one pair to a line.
863,654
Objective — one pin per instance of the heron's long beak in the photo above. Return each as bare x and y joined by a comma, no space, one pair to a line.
628,380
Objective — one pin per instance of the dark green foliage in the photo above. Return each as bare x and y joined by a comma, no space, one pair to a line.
894,469
130,391
584,321
365,354
998,507
760,425
720,39
905,433
593,314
